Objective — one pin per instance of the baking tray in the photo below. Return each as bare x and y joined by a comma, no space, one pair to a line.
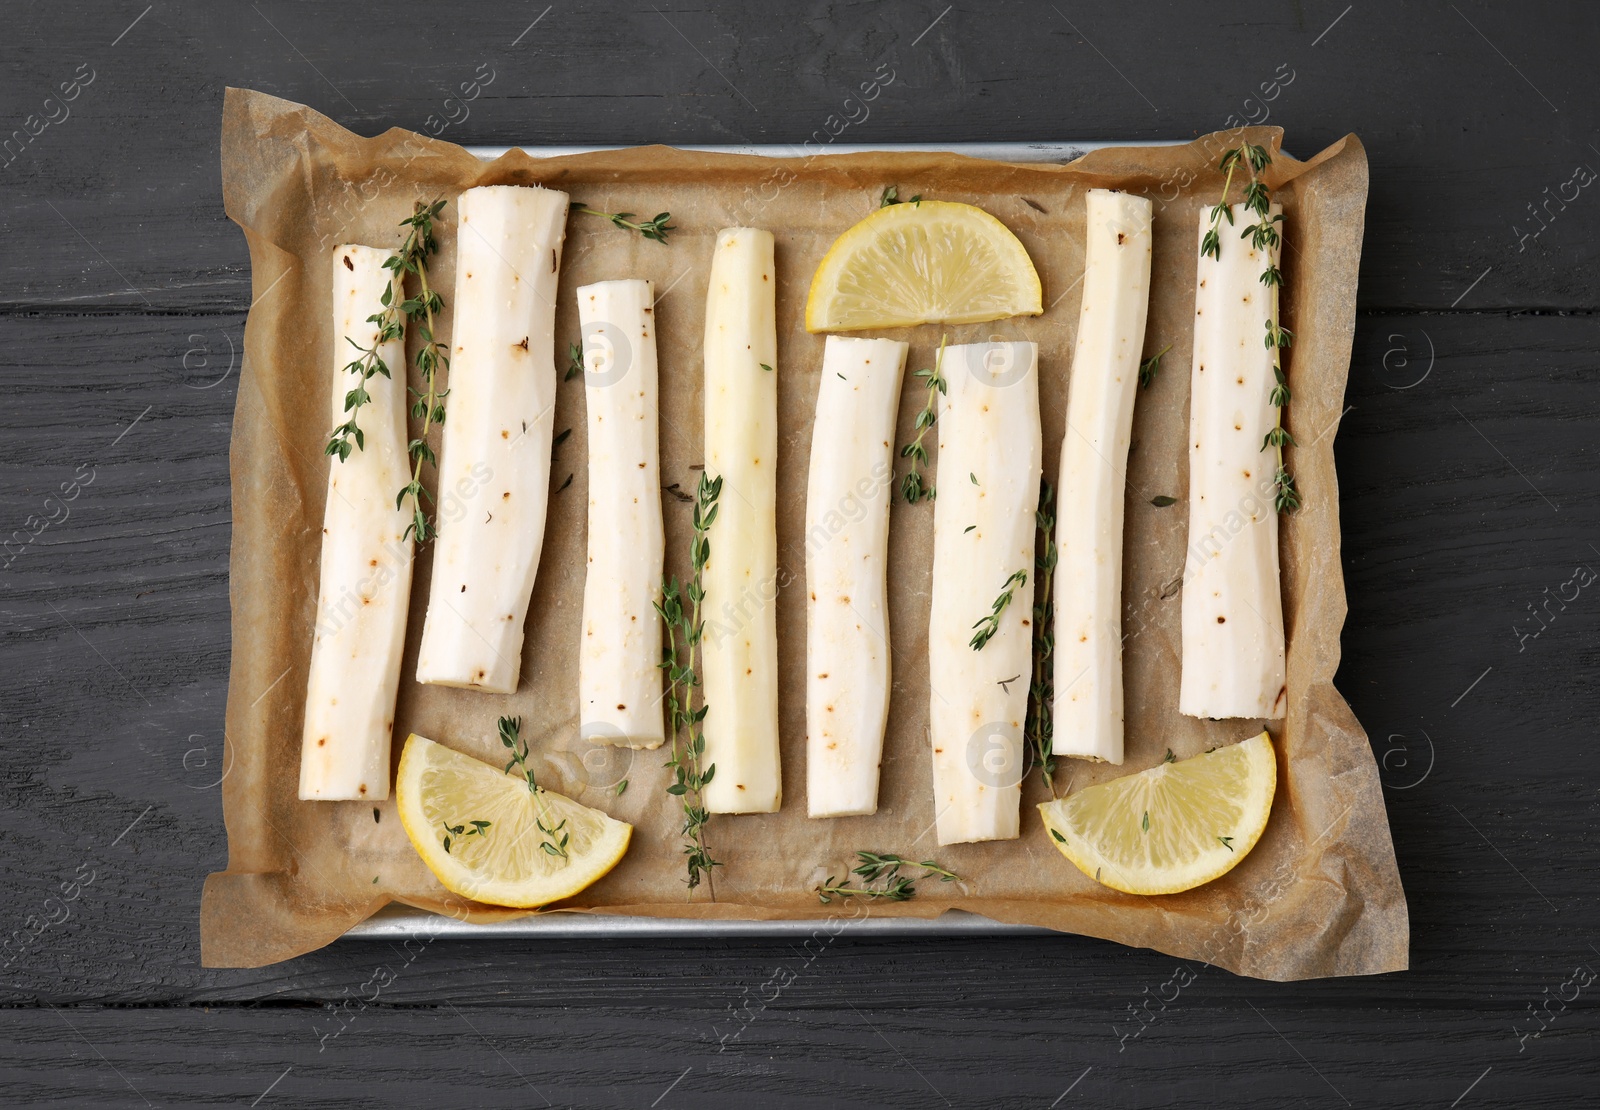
397,922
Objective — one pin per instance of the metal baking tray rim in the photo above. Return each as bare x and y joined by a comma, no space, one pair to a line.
1063,151
396,922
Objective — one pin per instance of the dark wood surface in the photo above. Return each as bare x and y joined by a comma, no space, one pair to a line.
1467,464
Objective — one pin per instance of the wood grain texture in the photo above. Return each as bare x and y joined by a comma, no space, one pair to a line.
1468,472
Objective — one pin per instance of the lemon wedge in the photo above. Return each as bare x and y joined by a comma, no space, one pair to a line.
1170,828
496,848
933,262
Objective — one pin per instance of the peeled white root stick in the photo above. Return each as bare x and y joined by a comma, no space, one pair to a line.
1087,714
1233,648
365,586
494,468
989,467
847,550
739,653
619,658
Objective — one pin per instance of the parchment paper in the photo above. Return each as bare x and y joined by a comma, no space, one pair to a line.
1320,895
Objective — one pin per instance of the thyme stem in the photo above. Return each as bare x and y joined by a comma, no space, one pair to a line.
656,228
685,720
987,626
429,404
1264,236
388,319
555,839
912,486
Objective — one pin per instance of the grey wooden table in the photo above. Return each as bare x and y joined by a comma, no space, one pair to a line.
1468,470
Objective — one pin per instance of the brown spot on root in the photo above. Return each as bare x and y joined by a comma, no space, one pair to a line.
1222,620
1283,693
1120,238
553,263
524,343
621,706
362,788
348,265
322,741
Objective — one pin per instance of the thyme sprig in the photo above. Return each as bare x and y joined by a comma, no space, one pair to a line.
556,837
912,486
1150,367
432,356
885,870
891,195
1264,236
656,228
574,361
478,829
679,610
365,366
1041,692
987,626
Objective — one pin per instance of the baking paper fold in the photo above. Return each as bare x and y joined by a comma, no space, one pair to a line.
1320,895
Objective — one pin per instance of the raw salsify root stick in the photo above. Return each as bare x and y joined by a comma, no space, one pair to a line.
740,648
989,467
494,468
848,492
1087,712
1233,643
619,657
364,589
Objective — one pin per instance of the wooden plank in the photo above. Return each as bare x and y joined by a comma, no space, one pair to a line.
118,205
809,1046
